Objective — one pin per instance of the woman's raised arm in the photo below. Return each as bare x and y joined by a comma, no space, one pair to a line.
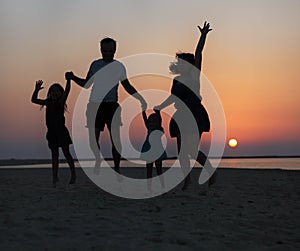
200,45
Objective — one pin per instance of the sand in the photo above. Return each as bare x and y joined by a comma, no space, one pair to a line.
244,210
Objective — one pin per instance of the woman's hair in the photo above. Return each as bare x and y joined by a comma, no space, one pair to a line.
55,85
188,57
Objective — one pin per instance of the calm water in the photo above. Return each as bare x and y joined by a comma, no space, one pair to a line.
244,163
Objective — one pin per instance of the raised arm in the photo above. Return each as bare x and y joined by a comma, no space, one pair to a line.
80,81
67,89
132,91
145,118
200,45
34,97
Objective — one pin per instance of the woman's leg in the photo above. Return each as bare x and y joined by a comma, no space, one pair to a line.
202,160
184,163
70,161
55,156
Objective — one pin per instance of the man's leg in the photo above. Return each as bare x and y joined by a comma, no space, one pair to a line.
114,132
94,135
116,147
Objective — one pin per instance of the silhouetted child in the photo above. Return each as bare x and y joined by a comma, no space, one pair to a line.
152,149
57,134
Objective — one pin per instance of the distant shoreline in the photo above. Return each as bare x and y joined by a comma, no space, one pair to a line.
15,162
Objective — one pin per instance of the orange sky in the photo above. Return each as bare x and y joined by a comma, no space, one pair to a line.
251,57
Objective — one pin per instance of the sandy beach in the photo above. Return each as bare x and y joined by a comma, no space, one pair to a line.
244,210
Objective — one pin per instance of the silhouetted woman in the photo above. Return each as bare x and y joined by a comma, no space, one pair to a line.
186,87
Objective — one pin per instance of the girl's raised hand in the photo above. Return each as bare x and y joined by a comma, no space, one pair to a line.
205,28
38,85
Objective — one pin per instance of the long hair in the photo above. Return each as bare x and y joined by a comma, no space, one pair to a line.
61,89
188,57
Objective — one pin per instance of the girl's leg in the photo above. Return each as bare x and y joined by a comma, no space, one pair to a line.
149,170
70,161
149,175
158,165
55,156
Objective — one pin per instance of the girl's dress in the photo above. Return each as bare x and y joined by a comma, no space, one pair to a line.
57,134
149,155
193,103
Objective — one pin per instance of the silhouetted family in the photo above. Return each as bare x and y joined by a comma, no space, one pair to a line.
103,109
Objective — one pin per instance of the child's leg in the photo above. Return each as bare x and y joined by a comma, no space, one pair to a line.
158,165
55,156
70,161
149,170
149,174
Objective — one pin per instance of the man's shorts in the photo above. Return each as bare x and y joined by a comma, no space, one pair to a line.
100,114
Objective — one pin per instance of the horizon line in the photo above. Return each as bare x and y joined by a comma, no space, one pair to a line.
20,161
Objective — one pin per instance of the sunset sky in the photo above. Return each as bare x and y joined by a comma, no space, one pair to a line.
251,58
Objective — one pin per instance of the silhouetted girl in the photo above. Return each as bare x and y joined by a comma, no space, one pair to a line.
57,134
152,149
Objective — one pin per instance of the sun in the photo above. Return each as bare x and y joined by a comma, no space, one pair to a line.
232,143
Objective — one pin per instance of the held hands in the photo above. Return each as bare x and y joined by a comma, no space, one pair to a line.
205,28
156,111
38,85
69,75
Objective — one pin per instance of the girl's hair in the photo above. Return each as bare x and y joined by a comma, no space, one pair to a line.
52,87
158,117
188,57
61,89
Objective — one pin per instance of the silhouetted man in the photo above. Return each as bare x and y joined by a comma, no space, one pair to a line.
105,74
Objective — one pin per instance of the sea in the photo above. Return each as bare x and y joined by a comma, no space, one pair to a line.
284,163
